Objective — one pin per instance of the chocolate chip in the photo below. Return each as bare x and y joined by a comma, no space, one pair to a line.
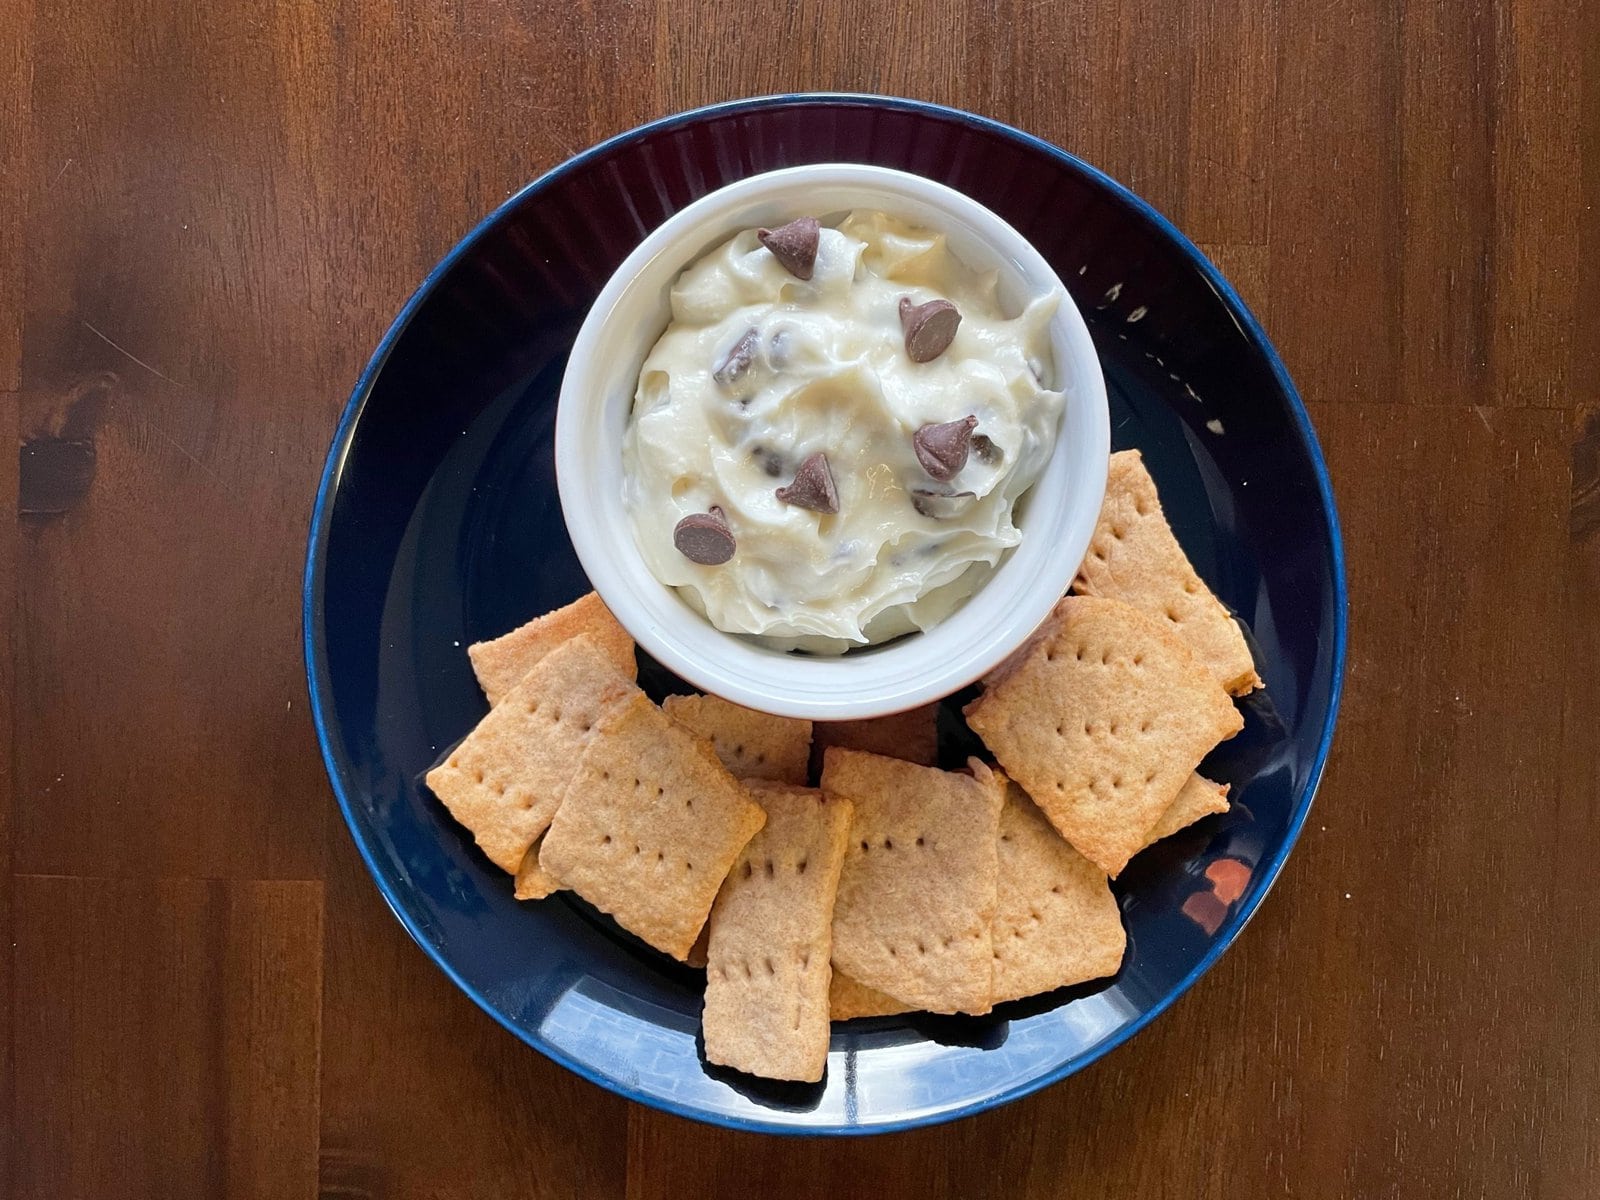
704,538
929,328
812,487
738,359
771,461
988,453
794,245
942,449
940,505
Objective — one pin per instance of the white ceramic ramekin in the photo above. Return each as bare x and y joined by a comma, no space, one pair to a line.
1056,517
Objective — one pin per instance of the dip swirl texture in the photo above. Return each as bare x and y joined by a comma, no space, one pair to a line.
826,371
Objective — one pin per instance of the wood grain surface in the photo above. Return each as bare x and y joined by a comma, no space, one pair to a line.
210,213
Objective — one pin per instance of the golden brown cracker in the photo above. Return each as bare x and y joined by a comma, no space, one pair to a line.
848,1000
501,663
752,745
767,972
1198,798
697,952
649,826
1134,556
917,894
1103,724
506,779
912,736
1008,666
532,882
1056,922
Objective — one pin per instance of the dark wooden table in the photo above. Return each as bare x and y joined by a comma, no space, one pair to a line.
210,213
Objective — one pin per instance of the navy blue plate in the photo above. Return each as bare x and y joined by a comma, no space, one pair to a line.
437,524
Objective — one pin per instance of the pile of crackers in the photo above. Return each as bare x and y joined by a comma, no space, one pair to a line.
832,871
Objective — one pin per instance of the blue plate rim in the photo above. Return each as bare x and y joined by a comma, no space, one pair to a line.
316,667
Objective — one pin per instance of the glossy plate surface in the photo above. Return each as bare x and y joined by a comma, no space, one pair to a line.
437,524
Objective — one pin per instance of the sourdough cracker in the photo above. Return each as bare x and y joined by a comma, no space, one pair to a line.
649,826
504,781
848,1000
912,736
752,745
1103,724
532,882
1134,556
501,663
1198,798
1056,922
697,953
767,972
917,893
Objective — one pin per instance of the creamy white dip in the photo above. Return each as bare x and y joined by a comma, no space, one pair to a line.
829,373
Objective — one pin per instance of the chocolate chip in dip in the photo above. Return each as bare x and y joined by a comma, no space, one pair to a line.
929,328
812,487
942,449
705,538
794,245
737,360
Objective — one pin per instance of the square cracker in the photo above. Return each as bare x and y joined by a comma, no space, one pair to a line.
767,973
917,893
649,826
1103,723
506,779
1134,556
1056,922
752,745
912,736
848,1000
1198,798
501,663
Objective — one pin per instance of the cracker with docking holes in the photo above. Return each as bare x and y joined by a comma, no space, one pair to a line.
752,745
501,663
650,826
505,780
1056,922
1134,556
917,894
1103,723
767,972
